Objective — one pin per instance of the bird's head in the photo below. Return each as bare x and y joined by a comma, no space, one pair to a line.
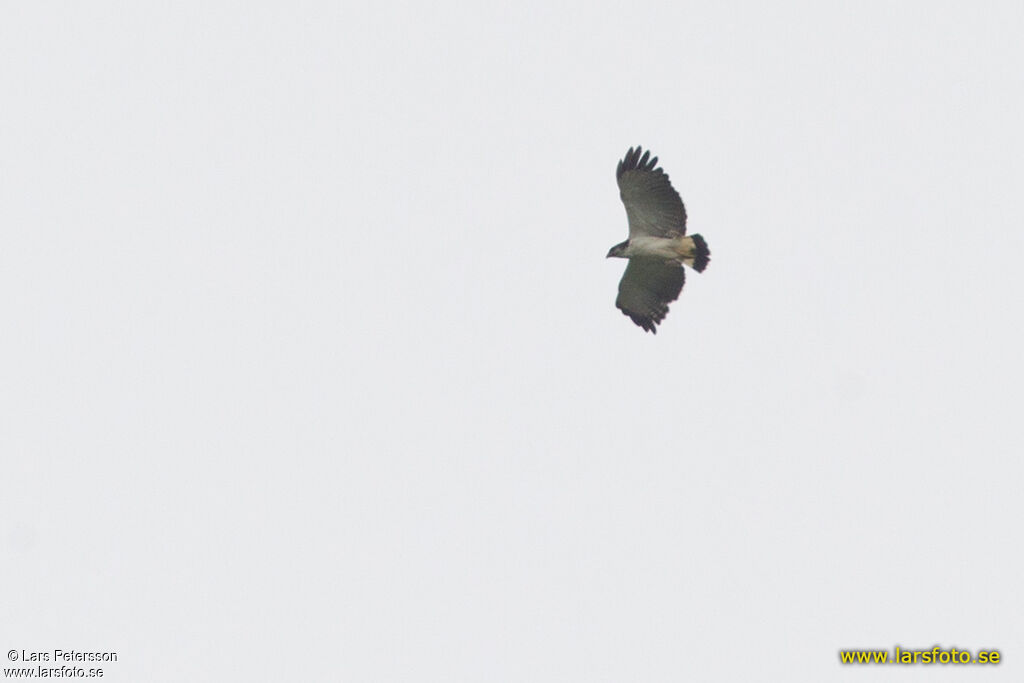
619,250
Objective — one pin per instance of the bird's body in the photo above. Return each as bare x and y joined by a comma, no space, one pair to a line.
658,245
669,248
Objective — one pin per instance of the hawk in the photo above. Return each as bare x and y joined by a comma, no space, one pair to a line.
658,245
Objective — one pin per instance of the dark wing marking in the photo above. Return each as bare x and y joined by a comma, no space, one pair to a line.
647,287
653,207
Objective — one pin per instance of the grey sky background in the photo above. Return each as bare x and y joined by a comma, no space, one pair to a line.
311,367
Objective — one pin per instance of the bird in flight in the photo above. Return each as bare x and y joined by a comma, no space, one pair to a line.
658,245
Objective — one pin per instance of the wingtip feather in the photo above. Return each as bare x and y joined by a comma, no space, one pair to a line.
637,159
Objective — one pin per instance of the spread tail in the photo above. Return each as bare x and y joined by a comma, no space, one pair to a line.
698,254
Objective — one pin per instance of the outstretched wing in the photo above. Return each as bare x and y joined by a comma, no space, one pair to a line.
647,287
653,207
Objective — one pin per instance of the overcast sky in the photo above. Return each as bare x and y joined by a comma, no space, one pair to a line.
311,370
